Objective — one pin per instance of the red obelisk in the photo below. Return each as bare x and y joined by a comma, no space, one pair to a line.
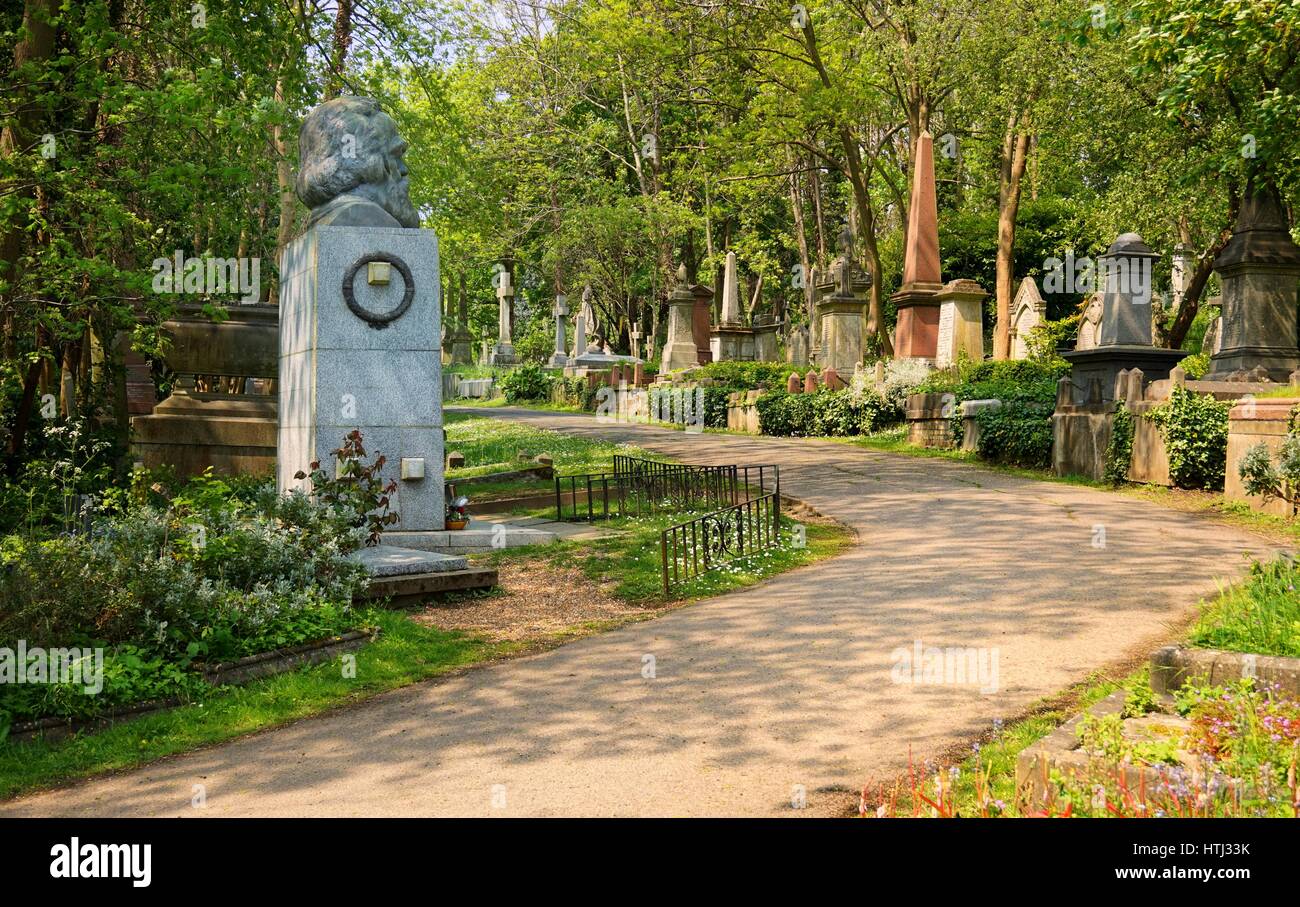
917,333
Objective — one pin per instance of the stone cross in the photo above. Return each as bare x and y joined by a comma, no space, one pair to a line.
560,311
636,340
505,293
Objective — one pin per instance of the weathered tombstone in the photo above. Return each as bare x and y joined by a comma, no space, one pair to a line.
1213,340
504,353
634,336
1028,311
680,351
961,330
793,384
840,309
1259,269
810,383
917,332
796,346
455,460
1090,323
1184,265
560,358
831,379
1125,337
462,344
730,340
359,313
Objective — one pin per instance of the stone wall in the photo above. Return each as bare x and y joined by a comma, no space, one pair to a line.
1254,422
928,420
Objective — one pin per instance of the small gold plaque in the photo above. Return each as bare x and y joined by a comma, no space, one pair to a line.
377,273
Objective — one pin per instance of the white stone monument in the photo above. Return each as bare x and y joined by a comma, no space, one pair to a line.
1028,311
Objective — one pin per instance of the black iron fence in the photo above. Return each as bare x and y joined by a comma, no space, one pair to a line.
690,549
639,487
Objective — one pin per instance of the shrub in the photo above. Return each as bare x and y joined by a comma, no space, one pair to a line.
1195,429
357,490
1119,453
743,376
527,383
1018,432
832,413
1196,365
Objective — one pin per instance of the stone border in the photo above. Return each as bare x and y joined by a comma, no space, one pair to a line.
1060,752
1174,666
234,673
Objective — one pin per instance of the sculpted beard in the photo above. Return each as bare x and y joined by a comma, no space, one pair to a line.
398,198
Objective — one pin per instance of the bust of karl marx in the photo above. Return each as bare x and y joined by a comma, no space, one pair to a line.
351,172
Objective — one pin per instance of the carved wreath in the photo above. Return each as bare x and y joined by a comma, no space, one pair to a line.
379,320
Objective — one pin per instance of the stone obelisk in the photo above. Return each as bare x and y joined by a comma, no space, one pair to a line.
917,333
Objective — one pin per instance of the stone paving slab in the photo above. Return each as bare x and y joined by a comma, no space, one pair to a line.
799,685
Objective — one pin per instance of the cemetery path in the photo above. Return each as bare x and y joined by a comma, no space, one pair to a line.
759,693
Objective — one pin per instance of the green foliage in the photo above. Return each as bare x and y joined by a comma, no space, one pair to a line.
827,413
1195,365
527,383
740,376
1019,433
1195,429
204,575
1261,615
1047,338
355,487
1119,452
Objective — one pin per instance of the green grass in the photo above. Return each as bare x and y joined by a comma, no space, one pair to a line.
630,559
404,652
1261,615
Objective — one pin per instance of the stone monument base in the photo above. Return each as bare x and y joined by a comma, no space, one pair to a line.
731,343
1104,363
232,434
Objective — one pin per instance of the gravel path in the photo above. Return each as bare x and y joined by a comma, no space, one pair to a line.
756,695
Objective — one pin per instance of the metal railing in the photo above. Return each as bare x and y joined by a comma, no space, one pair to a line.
690,549
639,487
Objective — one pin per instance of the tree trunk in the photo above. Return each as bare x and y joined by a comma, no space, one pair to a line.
1015,147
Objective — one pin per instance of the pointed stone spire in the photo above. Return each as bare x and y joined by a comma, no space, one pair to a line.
730,292
921,258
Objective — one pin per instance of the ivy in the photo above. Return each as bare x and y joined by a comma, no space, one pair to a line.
1195,429
1119,452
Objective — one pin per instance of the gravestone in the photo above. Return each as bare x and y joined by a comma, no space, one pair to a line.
462,344
730,340
1124,339
360,313
1090,323
504,352
916,335
841,306
559,358
1028,311
961,330
1258,269
680,351
796,346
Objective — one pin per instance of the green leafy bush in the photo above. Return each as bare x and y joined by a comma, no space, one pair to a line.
827,413
1018,433
1119,452
743,376
1196,365
1195,429
527,383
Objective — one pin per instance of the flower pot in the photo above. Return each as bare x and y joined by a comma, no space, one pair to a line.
456,524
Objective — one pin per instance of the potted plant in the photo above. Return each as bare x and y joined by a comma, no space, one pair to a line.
458,513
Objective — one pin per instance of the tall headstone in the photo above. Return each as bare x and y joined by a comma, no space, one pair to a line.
560,358
634,338
360,313
1258,269
796,346
504,352
1028,311
462,344
730,340
916,335
586,336
680,350
841,308
961,326
1124,341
